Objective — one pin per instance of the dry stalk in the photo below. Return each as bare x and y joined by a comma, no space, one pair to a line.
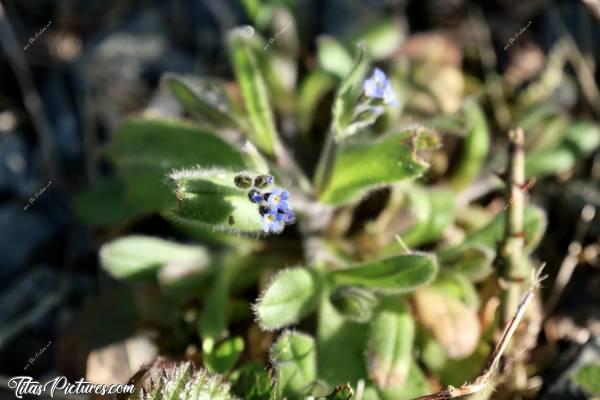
485,378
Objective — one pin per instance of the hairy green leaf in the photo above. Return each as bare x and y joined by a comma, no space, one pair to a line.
382,38
105,204
333,57
474,261
348,94
416,385
252,382
390,344
341,342
400,274
475,147
170,380
434,211
353,302
138,256
224,355
292,294
210,198
254,91
363,167
491,234
295,360
145,150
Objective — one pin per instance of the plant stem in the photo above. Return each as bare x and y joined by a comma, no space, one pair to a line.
326,162
513,268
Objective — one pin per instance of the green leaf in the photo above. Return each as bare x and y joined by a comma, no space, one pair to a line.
104,204
382,38
252,382
390,344
580,140
224,356
145,150
550,162
254,92
363,167
354,303
205,99
434,211
474,261
295,360
138,256
347,95
213,320
333,57
416,385
588,377
475,147
341,342
170,380
583,137
209,198
400,274
292,294
491,234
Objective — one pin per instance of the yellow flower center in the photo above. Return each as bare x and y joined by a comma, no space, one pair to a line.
276,199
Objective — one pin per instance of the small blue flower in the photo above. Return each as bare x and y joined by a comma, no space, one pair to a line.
288,216
272,221
278,199
378,86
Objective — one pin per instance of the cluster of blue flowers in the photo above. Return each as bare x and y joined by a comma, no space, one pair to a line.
272,206
379,87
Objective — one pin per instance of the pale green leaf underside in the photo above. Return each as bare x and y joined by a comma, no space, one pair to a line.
292,295
400,274
363,167
141,256
210,198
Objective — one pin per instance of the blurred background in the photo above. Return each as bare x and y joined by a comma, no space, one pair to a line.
71,71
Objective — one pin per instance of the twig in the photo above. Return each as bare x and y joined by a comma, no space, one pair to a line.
31,99
484,379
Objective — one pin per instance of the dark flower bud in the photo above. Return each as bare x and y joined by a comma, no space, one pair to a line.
262,181
243,181
263,210
255,196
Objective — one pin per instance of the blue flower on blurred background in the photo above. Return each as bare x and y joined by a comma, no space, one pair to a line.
378,86
278,199
272,221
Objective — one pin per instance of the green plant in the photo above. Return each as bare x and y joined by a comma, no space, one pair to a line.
366,307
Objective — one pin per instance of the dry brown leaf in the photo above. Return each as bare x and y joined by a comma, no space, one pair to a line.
454,325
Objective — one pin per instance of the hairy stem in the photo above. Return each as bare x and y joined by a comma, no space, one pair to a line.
326,162
513,269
